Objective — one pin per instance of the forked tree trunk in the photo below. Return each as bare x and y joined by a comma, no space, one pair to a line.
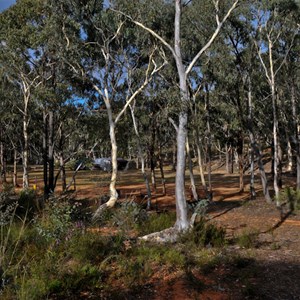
182,223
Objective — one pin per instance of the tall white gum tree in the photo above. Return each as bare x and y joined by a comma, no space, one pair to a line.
271,28
183,70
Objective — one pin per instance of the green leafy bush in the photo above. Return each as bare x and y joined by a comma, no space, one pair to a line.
248,239
204,234
291,197
157,222
55,223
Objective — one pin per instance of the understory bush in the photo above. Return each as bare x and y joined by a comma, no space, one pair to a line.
204,234
157,222
290,197
56,256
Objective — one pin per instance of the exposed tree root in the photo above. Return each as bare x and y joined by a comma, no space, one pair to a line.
102,208
169,235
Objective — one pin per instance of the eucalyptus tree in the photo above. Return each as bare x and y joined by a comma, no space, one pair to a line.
18,33
183,71
102,56
272,49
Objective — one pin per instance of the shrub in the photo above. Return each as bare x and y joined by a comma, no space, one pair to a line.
157,222
28,203
204,234
248,239
291,197
55,223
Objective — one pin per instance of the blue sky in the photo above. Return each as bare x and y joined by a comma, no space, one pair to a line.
4,4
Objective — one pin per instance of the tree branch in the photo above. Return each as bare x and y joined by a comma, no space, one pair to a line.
164,42
213,37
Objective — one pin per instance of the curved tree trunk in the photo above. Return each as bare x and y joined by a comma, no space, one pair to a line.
114,165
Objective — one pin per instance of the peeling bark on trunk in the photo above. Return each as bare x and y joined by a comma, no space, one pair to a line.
181,207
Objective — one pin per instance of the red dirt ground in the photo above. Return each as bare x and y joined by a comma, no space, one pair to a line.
270,269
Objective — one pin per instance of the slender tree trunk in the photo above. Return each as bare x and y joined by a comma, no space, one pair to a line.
26,144
141,156
255,149
63,175
45,154
207,105
162,174
200,162
275,144
296,133
240,152
114,164
289,155
51,151
182,223
190,164
152,156
252,175
15,175
174,157
2,160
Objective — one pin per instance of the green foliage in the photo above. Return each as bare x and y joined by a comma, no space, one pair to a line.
128,216
93,247
291,197
248,239
28,203
55,223
157,222
204,234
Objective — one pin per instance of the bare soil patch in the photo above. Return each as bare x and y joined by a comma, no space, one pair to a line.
269,268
